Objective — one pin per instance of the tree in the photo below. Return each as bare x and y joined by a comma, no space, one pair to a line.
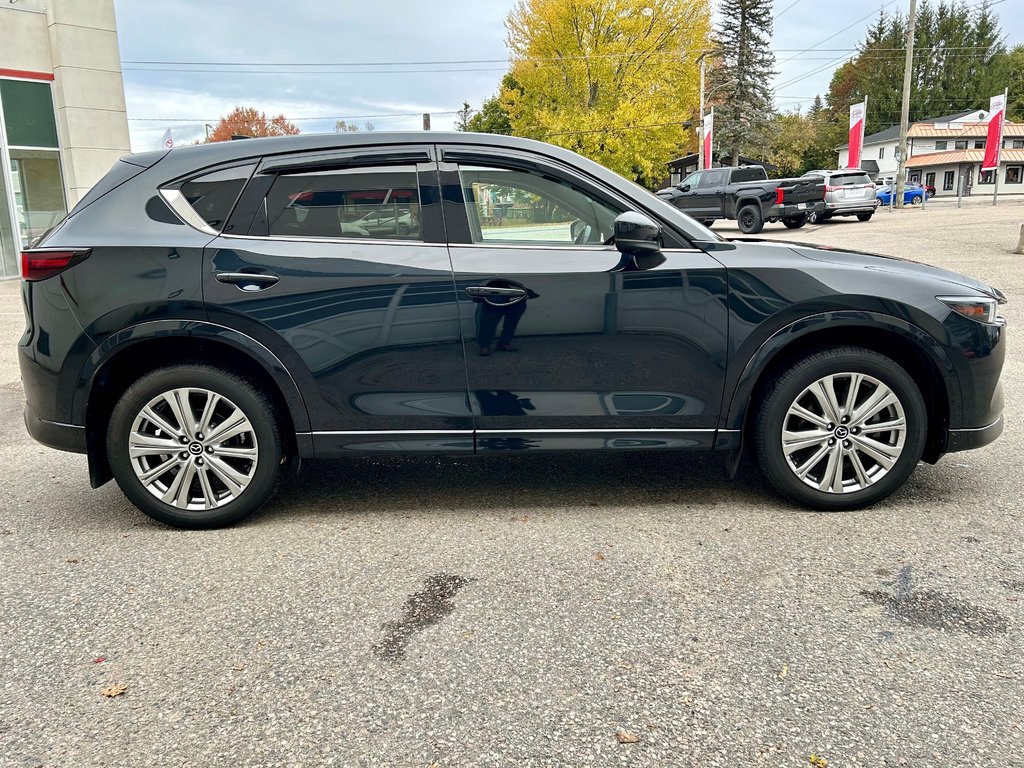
744,76
248,121
492,116
611,79
463,117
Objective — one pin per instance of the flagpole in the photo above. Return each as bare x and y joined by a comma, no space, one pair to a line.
999,152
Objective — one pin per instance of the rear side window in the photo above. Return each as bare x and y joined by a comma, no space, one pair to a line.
754,173
213,195
381,203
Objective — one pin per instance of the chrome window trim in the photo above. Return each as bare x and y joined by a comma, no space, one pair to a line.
526,244
177,203
348,240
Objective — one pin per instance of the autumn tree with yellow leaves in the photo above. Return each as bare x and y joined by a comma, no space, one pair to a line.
611,79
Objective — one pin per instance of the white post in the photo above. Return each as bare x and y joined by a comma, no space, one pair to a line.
908,68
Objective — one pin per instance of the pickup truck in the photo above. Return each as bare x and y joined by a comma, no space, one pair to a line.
747,195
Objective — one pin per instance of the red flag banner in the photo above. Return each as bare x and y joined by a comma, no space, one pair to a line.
857,112
708,138
994,142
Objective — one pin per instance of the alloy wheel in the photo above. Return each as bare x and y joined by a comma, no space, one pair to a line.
844,433
193,449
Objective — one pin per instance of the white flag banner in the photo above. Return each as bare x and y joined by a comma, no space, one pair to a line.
168,140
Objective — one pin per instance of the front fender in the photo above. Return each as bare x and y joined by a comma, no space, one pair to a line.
735,412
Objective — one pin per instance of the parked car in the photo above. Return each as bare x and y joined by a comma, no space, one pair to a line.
196,355
913,194
847,193
386,222
747,195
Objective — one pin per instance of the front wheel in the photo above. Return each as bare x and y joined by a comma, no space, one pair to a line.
795,222
915,200
750,220
841,429
195,446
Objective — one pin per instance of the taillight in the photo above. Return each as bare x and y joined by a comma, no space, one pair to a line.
830,188
778,195
39,265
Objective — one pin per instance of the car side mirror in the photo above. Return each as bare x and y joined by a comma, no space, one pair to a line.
638,237
683,187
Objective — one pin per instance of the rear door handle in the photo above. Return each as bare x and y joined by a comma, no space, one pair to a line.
487,290
247,281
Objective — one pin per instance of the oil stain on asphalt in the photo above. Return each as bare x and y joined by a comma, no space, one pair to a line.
421,610
936,610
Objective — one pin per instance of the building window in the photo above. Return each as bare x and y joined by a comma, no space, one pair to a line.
881,153
987,177
35,185
1018,144
961,144
940,144
947,180
929,179
1013,174
979,143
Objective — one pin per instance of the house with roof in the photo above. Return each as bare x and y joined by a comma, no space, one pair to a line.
946,153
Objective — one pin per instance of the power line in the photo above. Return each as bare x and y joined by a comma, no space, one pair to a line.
786,8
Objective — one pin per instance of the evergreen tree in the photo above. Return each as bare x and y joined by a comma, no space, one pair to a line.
744,76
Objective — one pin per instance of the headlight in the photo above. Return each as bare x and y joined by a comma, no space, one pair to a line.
980,309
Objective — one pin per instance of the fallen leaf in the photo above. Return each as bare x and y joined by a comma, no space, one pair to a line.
817,761
627,737
599,556
783,672
99,659
114,689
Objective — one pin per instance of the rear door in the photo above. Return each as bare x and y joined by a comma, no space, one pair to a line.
337,262
566,347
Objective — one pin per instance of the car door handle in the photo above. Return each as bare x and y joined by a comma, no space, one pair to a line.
487,290
247,281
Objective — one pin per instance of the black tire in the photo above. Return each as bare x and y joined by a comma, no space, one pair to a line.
263,473
707,222
915,200
865,216
818,218
773,417
795,222
750,219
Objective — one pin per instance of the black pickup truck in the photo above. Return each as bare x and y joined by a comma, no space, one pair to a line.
747,195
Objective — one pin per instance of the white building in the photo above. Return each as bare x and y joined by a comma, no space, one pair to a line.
62,112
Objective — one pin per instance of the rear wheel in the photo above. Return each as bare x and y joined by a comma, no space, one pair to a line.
915,200
864,216
841,429
795,222
750,220
195,446
707,222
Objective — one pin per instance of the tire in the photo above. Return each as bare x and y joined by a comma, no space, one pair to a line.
865,216
750,219
857,486
915,200
795,222
707,222
222,489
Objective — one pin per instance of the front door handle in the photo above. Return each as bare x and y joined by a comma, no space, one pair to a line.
247,281
487,290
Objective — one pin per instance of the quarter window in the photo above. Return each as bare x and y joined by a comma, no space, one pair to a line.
213,195
380,203
512,206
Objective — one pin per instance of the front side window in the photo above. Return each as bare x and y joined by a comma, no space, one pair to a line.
513,206
947,180
692,180
381,203
213,195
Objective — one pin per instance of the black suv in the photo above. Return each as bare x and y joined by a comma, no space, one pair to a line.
207,316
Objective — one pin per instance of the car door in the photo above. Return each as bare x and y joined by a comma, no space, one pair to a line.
685,197
567,345
367,324
707,201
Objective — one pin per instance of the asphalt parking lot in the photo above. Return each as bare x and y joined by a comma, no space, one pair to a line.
525,611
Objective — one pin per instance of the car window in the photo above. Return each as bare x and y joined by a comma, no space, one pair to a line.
379,203
751,173
692,180
848,179
514,206
213,195
713,179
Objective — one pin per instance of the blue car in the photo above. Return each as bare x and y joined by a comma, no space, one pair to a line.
913,194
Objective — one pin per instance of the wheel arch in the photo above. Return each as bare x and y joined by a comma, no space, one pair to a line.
125,356
907,344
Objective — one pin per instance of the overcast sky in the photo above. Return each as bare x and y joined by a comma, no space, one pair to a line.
390,40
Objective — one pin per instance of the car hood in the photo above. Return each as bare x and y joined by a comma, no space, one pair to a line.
893,265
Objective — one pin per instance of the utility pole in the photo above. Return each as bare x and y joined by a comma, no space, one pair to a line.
908,68
426,121
700,119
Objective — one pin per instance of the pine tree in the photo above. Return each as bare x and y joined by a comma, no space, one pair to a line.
744,76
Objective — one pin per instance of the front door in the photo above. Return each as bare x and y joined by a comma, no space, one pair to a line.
707,203
337,263
566,345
